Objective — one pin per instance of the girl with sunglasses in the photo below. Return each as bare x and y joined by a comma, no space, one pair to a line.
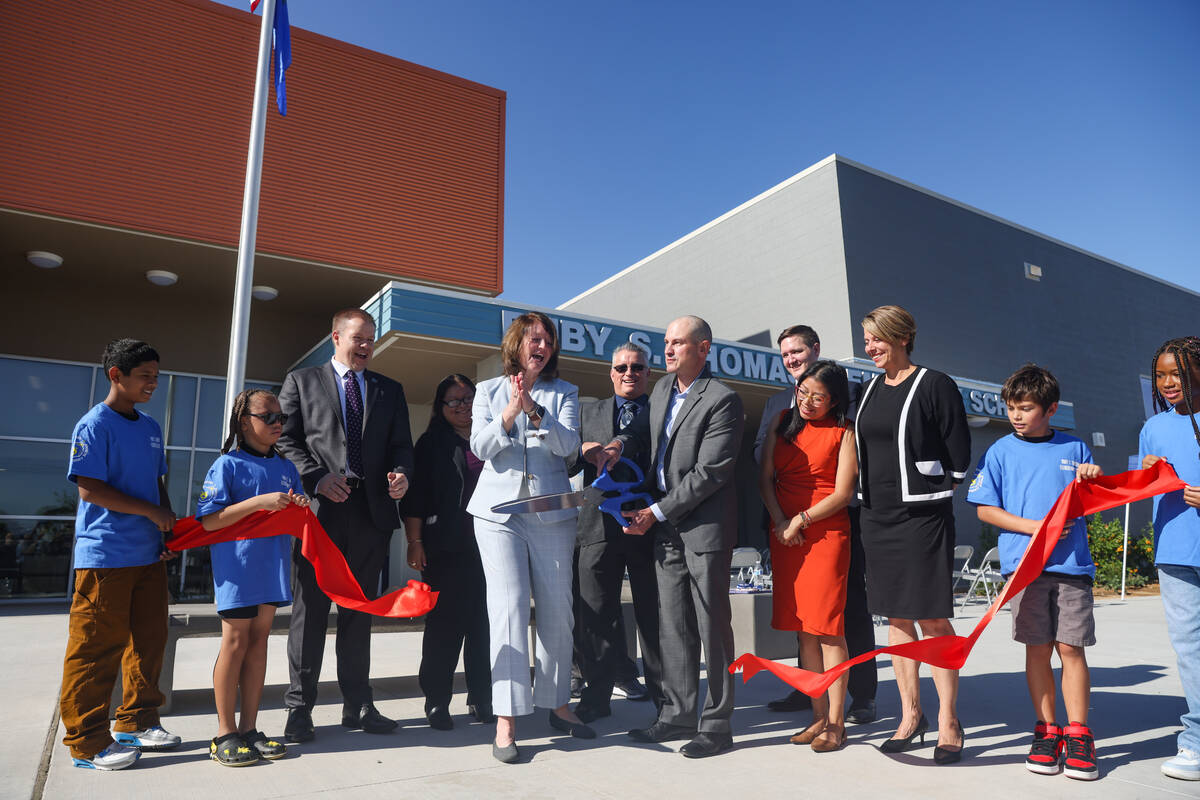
251,577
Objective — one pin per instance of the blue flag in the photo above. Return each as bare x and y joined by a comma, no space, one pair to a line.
282,57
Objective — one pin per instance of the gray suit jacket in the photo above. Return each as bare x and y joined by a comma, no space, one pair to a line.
700,500
314,437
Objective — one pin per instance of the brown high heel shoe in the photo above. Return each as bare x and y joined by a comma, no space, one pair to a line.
830,739
810,733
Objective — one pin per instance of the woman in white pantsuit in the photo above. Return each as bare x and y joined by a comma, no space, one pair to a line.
525,425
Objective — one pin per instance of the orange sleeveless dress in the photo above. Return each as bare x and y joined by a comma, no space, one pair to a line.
809,578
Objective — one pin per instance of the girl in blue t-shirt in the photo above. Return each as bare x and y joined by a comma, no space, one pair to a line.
1174,435
251,577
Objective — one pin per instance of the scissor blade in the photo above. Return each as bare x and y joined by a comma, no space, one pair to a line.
549,502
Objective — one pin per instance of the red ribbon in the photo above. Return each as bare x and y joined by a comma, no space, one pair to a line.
950,652
332,571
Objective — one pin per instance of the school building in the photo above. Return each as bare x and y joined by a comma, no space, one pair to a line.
122,160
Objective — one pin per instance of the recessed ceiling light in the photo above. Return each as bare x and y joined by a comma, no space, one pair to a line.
43,259
264,292
160,277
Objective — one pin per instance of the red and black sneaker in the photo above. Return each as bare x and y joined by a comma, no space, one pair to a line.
1080,762
1045,754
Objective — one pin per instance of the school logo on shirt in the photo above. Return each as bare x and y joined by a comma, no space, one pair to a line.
207,491
976,482
1068,464
79,450
156,442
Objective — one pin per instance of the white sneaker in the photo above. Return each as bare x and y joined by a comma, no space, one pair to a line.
1185,765
115,756
149,739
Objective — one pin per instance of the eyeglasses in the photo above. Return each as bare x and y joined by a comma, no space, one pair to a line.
635,368
466,401
270,417
812,397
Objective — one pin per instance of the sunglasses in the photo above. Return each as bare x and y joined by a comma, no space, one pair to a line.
623,368
466,401
271,417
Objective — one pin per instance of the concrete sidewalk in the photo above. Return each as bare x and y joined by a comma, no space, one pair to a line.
1135,712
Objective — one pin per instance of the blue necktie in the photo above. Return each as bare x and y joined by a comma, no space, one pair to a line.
628,412
354,419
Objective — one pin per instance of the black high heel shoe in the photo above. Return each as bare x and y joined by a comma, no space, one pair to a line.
942,754
899,745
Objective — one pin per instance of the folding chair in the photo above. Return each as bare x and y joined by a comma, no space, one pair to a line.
962,565
988,574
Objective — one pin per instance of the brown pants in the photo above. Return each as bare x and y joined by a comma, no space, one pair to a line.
118,620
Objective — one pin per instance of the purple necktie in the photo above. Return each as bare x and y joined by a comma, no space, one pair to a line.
354,419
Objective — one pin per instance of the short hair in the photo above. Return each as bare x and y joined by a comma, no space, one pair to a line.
807,334
1031,382
510,345
892,323
439,395
698,329
632,347
346,314
125,354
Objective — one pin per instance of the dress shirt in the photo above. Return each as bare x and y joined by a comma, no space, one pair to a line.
341,370
678,398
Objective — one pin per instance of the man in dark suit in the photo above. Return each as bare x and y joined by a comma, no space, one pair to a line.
604,553
692,433
347,433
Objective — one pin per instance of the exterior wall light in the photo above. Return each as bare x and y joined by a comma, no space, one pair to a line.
264,292
160,277
44,259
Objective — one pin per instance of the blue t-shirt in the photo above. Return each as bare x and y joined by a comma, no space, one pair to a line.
1025,478
251,571
128,455
1176,524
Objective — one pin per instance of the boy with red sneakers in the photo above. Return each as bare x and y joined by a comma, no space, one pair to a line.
1018,480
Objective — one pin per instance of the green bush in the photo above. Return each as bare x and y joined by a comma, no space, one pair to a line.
1106,541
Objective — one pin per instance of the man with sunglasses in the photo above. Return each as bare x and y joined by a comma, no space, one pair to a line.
347,433
603,553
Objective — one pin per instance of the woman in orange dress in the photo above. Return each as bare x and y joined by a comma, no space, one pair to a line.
808,471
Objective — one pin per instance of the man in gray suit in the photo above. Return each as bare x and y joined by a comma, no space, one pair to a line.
693,433
347,433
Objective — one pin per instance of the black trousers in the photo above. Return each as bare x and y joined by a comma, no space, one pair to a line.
863,679
350,527
601,652
458,622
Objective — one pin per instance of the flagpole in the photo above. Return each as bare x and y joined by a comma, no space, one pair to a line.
235,377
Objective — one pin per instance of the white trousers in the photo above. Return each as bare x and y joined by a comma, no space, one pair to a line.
524,558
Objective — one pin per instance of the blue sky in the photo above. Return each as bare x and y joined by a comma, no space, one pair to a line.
630,124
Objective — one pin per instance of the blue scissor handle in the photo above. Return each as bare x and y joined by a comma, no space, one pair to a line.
612,505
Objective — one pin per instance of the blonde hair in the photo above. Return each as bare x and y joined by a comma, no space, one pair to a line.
892,323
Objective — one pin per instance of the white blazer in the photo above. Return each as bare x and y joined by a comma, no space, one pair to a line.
524,461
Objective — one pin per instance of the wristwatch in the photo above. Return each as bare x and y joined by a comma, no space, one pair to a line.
537,413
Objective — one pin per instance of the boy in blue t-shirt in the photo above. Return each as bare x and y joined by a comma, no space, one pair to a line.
1018,480
119,607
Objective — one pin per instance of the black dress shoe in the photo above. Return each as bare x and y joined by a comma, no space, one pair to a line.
299,727
482,713
662,732
707,744
576,729
902,743
439,718
368,718
795,701
861,712
589,713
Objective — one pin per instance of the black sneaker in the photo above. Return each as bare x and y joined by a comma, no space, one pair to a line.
631,689
269,749
1045,754
230,751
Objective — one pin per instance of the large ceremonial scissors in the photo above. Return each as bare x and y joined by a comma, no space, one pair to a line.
606,492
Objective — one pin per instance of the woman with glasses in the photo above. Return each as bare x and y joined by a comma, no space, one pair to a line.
806,480
441,544
525,427
914,448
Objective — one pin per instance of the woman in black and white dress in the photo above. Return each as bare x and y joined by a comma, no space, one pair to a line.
914,448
